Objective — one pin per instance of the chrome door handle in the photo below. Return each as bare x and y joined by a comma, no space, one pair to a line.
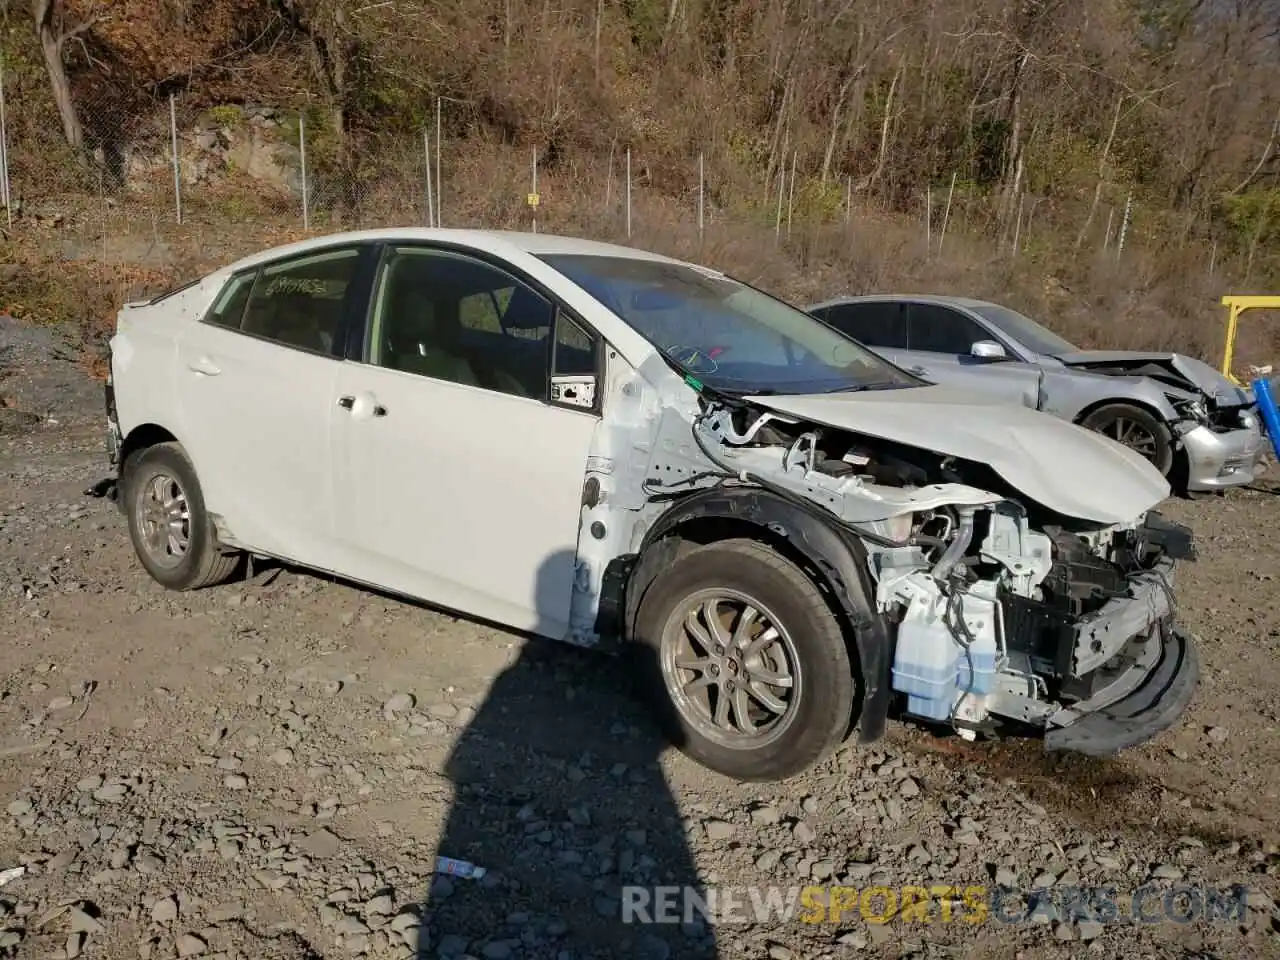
346,403
204,366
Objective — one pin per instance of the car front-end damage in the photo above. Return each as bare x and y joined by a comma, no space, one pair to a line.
1001,612
1215,421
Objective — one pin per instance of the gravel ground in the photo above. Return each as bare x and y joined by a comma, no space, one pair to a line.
269,769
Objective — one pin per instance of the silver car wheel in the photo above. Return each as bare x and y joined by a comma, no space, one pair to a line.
731,668
1134,436
164,520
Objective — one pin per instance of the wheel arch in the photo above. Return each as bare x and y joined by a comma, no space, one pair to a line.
1141,404
833,559
143,436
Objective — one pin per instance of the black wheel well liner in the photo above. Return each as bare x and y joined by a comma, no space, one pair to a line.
833,558
142,436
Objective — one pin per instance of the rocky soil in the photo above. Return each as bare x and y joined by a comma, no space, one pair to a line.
269,769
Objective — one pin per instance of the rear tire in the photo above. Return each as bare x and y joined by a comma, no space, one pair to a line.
778,696
168,524
1136,428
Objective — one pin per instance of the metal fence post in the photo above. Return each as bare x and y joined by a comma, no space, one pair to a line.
1124,225
782,189
701,187
533,196
5,194
791,193
177,169
946,215
439,182
628,193
302,163
426,155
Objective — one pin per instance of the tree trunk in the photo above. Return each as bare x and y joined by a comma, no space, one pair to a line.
1102,174
43,12
882,156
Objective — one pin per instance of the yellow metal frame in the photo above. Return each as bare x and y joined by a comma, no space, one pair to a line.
1237,305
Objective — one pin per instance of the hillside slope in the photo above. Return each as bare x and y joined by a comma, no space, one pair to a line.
1127,149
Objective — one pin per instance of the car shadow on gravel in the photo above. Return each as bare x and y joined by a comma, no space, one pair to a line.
559,797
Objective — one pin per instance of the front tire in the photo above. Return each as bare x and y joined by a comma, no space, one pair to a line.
168,524
1136,428
745,661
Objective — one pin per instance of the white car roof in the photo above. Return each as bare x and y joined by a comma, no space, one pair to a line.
499,242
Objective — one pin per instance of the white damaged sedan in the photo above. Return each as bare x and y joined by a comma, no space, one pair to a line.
793,538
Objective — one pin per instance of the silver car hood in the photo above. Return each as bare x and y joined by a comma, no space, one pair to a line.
1173,369
1065,468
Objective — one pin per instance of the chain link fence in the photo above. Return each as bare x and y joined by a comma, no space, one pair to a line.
163,190
177,163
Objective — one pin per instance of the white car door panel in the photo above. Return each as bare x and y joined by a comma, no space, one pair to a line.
457,483
256,381
255,417
459,495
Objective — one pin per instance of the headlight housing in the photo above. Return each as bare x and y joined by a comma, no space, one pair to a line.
1192,409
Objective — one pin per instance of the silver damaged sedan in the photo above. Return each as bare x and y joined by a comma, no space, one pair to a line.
1201,431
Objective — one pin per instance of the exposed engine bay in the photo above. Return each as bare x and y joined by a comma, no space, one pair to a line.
1003,610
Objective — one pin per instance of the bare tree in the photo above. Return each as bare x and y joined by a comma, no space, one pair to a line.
53,35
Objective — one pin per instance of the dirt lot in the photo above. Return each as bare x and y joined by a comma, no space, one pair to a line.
268,769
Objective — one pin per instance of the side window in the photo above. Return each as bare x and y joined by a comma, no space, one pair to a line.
876,324
228,308
936,329
573,371
298,303
575,349
443,315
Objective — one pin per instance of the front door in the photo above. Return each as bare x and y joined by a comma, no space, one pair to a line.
460,478
939,348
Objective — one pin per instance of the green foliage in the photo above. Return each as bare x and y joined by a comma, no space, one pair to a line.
1253,216
1062,163
646,19
986,150
227,115
816,202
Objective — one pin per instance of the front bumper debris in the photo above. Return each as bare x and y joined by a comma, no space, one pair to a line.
109,487
1219,461
1147,696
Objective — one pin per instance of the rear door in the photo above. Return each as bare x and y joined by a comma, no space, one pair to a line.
878,324
256,382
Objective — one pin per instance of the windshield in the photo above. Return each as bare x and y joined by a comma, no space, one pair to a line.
1026,331
726,334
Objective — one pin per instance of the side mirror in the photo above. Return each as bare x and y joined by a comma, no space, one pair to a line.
576,391
987,350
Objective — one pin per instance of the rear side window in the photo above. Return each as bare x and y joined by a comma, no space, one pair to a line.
876,324
297,303
228,309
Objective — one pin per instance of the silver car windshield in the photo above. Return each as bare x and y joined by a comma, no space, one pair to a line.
1026,331
726,334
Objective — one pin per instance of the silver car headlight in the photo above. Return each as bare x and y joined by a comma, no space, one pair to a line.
1192,410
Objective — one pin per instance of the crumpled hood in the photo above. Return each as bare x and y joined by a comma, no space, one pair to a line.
1175,369
1066,468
